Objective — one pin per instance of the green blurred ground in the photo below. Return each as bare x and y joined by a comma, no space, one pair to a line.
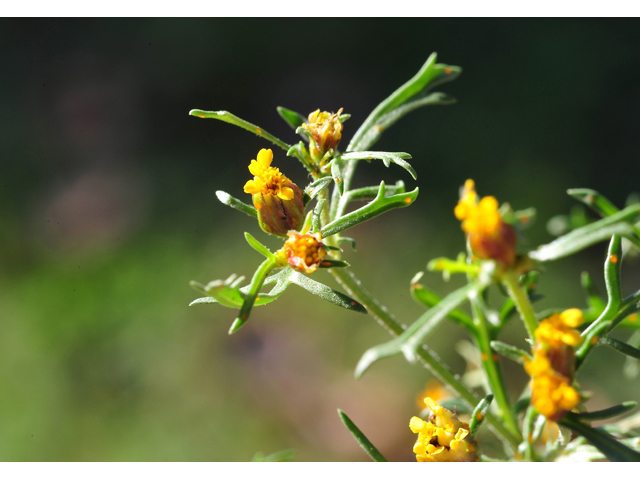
107,210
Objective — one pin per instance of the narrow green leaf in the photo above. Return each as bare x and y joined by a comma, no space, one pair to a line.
513,353
227,117
365,193
233,202
612,281
601,205
362,440
412,338
430,75
448,266
338,176
227,293
521,405
201,300
631,367
479,413
387,120
622,347
369,193
293,119
331,263
348,240
314,188
588,235
254,289
615,411
378,206
257,246
428,298
387,158
609,446
325,292
508,307
317,212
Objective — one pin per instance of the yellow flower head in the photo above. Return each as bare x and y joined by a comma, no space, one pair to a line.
325,130
443,438
268,180
553,366
304,251
277,199
490,237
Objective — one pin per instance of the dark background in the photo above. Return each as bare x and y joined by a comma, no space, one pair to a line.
108,209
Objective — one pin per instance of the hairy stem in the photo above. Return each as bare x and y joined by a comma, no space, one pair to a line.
492,369
521,299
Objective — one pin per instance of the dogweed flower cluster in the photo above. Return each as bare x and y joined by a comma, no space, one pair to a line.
553,366
548,420
443,438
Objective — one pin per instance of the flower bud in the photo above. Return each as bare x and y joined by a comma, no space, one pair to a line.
489,236
443,438
304,251
325,130
277,199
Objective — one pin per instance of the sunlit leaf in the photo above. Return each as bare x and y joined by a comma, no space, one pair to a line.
362,440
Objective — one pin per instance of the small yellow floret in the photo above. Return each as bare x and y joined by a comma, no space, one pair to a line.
304,251
443,438
481,217
267,180
560,328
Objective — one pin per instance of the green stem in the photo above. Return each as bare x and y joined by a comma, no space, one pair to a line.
520,297
353,286
492,369
527,433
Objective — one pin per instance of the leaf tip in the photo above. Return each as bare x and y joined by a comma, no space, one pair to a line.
235,326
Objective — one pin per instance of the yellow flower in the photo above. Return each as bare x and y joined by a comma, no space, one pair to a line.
553,366
325,129
267,180
490,237
443,438
304,251
277,199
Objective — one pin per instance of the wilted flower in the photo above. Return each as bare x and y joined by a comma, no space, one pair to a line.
490,237
304,251
325,130
443,438
277,199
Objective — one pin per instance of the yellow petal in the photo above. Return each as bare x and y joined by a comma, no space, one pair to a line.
265,157
251,187
572,317
416,424
255,168
285,193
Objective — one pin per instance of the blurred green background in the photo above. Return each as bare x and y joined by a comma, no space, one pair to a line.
108,210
